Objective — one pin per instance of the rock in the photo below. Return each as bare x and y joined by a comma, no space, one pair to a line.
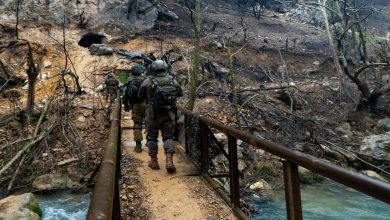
282,69
81,119
308,177
164,14
87,106
260,185
241,165
218,45
345,129
25,87
100,50
266,40
384,124
316,63
46,64
377,146
374,175
100,88
128,144
130,55
89,91
21,207
49,182
240,151
14,125
221,136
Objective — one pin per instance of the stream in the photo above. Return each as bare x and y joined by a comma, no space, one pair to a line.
325,201
64,206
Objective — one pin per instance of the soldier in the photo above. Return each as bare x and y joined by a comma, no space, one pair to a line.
111,84
133,102
161,91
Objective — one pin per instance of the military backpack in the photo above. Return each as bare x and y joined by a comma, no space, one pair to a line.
131,92
164,94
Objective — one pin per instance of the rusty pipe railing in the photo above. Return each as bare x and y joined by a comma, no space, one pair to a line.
105,203
359,182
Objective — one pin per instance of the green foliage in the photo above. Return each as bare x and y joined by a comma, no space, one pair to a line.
266,169
310,177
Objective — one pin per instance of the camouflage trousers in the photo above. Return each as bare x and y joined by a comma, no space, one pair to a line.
111,94
138,116
164,121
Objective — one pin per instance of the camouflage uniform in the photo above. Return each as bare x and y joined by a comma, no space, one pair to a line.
111,84
159,118
139,107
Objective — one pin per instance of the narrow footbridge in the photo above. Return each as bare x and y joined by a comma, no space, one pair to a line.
202,147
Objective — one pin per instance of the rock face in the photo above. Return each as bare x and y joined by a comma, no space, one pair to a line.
377,146
55,182
165,14
21,207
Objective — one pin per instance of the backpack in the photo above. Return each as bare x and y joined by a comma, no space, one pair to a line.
164,94
131,92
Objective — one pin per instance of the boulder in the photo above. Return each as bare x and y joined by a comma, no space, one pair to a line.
345,129
377,146
374,175
260,185
384,124
164,14
46,64
50,182
100,50
21,207
241,165
263,189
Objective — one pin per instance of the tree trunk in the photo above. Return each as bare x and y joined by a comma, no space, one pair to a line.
196,59
30,97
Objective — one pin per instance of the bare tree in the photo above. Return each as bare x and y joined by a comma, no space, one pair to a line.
351,39
32,73
196,56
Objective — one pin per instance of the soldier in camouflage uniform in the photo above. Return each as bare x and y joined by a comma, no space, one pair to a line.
111,85
137,105
161,91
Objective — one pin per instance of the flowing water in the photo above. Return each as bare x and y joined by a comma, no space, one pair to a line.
325,201
64,206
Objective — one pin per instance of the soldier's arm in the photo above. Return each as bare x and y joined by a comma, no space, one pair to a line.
143,90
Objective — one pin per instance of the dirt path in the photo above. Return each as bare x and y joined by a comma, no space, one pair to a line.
174,196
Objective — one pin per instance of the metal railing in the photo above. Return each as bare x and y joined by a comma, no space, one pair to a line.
105,203
292,159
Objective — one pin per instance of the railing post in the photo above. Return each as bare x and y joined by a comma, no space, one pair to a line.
292,191
233,170
205,148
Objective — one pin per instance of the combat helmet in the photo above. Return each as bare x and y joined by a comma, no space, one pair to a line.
159,66
137,69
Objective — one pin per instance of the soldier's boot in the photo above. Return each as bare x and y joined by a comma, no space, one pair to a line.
153,163
138,147
169,163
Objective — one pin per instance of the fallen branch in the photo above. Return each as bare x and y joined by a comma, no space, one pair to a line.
15,174
26,149
15,142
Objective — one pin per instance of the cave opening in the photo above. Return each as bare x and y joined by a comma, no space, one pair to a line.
92,38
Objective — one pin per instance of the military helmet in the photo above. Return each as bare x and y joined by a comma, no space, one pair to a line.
159,65
110,75
137,69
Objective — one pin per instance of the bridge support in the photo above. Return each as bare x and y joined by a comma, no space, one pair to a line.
292,191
